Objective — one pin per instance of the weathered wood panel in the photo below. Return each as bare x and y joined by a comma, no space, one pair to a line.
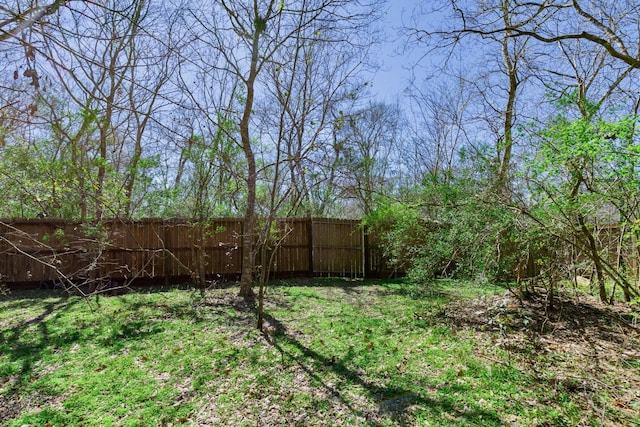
338,247
45,249
293,252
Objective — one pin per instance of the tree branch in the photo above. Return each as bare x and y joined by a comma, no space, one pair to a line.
27,19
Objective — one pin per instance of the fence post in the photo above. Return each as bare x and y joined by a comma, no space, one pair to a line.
367,253
309,223
166,261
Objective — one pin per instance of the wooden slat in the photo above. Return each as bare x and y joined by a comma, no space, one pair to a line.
159,248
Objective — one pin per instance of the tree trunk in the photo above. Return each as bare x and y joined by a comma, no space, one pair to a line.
597,262
248,250
248,243
512,72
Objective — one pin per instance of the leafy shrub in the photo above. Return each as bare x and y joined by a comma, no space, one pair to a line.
447,229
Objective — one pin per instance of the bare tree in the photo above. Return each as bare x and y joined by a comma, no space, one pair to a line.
112,72
439,126
23,15
309,87
370,139
611,25
493,78
243,41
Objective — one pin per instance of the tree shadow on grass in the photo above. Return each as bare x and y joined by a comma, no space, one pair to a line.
26,348
393,402
48,331
325,282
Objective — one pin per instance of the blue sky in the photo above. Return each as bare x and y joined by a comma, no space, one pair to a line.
394,76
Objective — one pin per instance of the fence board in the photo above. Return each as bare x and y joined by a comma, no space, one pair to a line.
171,248
294,251
338,247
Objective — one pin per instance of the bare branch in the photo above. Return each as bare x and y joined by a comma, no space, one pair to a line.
27,19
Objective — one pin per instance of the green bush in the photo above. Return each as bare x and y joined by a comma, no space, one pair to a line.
447,229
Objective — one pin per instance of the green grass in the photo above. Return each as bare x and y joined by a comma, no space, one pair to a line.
339,353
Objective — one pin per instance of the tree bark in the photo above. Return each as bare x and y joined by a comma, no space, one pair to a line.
249,221
595,257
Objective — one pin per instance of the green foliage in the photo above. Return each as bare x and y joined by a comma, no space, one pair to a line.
583,174
31,183
47,176
210,187
261,25
447,230
58,236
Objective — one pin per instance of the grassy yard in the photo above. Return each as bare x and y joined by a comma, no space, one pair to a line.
336,352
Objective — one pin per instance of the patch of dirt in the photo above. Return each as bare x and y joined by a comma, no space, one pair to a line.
576,346
10,405
13,405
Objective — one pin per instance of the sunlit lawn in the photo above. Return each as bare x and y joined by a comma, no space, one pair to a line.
335,353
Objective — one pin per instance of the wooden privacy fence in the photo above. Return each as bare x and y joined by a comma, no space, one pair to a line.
41,250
